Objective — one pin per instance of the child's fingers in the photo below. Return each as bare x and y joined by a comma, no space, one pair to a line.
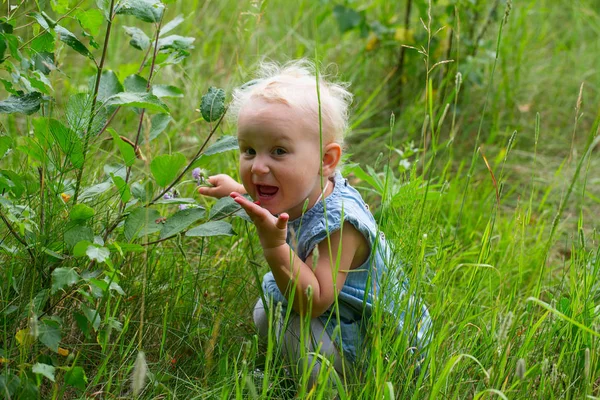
282,221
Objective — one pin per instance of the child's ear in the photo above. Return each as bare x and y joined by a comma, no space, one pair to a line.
331,157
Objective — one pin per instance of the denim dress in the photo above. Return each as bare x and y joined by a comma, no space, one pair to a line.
375,280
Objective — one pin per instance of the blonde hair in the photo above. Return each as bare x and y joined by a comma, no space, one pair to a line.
295,84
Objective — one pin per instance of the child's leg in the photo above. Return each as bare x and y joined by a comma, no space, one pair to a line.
290,340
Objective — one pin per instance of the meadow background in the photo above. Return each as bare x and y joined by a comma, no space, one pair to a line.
474,138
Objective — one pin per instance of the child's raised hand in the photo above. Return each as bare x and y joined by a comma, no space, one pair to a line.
272,231
222,185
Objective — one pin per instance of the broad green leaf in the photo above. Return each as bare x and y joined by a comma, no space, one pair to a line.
76,377
146,10
80,248
50,333
159,123
95,190
44,44
180,221
166,167
69,143
166,91
39,82
135,84
139,39
63,277
5,144
212,228
14,182
104,6
141,100
347,18
76,234
141,222
26,104
122,187
223,144
44,369
126,150
176,200
169,26
9,383
224,206
109,85
97,253
212,105
91,20
81,212
176,42
2,48
92,316
39,19
71,40
12,42
6,27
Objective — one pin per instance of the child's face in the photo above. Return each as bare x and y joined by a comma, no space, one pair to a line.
279,156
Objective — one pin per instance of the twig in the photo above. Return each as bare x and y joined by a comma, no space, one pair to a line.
18,237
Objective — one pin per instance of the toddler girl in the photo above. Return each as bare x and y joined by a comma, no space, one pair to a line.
317,234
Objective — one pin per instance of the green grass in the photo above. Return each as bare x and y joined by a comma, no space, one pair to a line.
505,256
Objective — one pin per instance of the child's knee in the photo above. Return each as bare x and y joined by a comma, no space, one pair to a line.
261,320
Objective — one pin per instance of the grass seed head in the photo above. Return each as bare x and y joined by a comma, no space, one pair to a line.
586,364
520,369
140,370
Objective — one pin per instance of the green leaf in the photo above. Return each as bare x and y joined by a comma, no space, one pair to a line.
141,100
2,49
224,206
44,369
166,167
169,26
81,212
9,383
135,83
212,105
347,18
176,42
5,144
109,85
95,190
176,200
223,144
43,44
92,316
79,250
14,182
71,40
122,187
146,10
126,247
26,104
50,333
141,222
104,6
76,234
166,91
76,377
212,228
12,42
39,19
159,123
91,20
63,277
180,221
126,150
68,141
139,39
5,27
98,253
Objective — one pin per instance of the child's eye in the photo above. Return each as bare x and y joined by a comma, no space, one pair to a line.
279,151
249,151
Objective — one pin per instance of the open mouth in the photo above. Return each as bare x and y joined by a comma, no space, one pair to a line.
266,191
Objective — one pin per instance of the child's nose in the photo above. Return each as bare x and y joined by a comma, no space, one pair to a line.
259,166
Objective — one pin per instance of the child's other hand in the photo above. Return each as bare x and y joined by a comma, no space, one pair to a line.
222,184
272,231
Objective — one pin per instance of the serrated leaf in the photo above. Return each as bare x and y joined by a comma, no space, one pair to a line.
26,104
141,222
44,369
140,100
81,212
212,105
212,228
68,141
135,83
63,277
176,42
43,44
180,221
65,36
49,333
159,123
76,377
126,150
122,187
109,85
169,26
91,20
146,10
165,168
97,253
139,39
166,91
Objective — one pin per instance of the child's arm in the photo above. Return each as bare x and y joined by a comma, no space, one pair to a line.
223,185
289,270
